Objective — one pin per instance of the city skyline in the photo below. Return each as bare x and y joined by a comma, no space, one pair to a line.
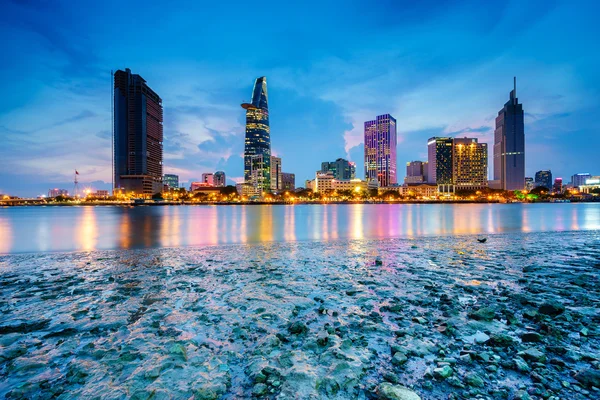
318,103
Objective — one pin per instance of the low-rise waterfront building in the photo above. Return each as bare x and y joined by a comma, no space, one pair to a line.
325,182
591,183
101,193
57,192
419,190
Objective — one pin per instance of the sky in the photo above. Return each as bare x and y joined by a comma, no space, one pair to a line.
441,68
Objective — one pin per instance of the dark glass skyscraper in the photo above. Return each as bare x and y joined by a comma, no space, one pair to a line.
380,150
138,135
258,139
440,152
543,178
509,145
341,168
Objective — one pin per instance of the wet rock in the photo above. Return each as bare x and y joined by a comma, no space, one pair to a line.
551,308
531,337
260,389
25,327
483,314
473,379
444,372
13,352
399,359
501,340
298,328
478,337
521,365
588,377
179,351
388,391
533,354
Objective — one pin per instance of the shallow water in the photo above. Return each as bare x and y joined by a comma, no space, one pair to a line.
32,229
218,322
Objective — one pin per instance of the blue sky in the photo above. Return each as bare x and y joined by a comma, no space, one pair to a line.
439,67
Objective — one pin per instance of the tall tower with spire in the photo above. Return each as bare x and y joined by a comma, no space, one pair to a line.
257,147
509,144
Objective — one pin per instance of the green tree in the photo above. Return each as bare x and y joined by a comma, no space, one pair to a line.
540,190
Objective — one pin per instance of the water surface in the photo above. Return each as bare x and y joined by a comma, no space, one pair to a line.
41,229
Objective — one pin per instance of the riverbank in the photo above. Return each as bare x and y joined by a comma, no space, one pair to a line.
234,203
444,317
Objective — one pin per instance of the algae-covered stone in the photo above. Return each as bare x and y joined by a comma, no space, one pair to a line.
399,359
533,354
260,389
388,391
473,379
483,314
297,328
443,372
179,351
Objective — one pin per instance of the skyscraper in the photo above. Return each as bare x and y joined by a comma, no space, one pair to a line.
529,183
579,179
509,145
341,168
219,179
439,152
288,181
352,166
172,181
258,138
276,184
543,178
469,164
416,172
138,135
380,150
558,186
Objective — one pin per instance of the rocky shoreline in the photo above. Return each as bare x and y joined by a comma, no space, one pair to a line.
433,318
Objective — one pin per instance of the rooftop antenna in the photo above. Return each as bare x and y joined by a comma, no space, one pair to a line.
112,138
515,89
76,186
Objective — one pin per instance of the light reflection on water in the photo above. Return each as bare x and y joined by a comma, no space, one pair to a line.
26,229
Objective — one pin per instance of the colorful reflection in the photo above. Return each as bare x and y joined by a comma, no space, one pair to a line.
32,229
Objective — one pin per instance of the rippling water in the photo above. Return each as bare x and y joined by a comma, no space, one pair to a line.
33,229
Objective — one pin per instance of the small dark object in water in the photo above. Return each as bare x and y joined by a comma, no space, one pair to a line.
482,240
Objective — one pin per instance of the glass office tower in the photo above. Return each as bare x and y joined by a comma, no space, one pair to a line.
258,138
